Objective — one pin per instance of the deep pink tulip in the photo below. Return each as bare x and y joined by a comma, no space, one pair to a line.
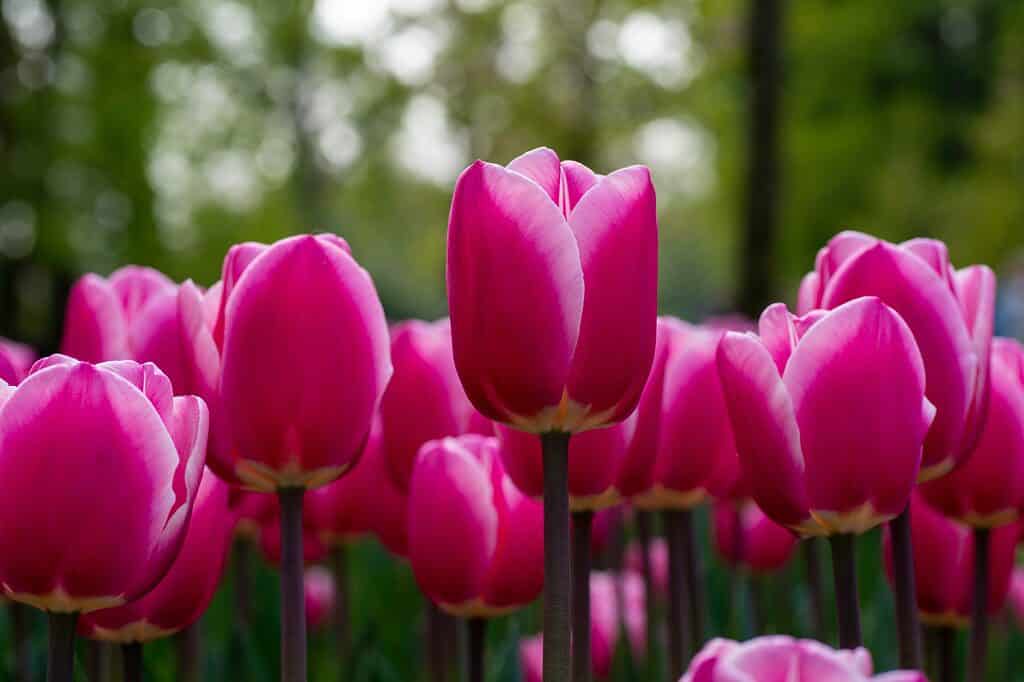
944,565
570,259
778,657
304,361
658,551
830,414
15,361
595,458
745,537
79,445
366,501
182,596
1016,595
605,525
949,311
604,626
988,490
476,544
424,400
320,596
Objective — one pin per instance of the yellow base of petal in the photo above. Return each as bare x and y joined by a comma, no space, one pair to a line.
261,478
594,503
476,609
140,631
660,497
60,601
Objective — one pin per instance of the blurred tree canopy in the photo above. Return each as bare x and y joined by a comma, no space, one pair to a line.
161,133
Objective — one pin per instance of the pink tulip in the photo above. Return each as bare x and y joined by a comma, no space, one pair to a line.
604,527
604,626
320,596
944,565
366,501
744,536
570,259
424,400
304,361
830,414
949,311
15,361
778,657
1016,595
182,596
80,446
658,551
475,542
595,458
988,490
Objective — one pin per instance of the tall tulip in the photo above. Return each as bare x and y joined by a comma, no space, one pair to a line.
183,594
475,544
570,258
951,313
320,595
823,452
304,362
66,545
988,491
779,657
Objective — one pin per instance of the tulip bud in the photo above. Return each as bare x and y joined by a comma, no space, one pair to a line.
744,536
320,596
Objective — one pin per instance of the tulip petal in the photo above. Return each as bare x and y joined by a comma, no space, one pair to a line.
135,287
238,258
809,295
510,250
616,226
976,288
94,323
578,179
543,167
856,380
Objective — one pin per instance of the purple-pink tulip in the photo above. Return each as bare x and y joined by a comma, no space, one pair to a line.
15,361
829,414
988,490
658,555
81,445
552,287
1016,595
182,596
475,542
320,595
777,657
745,537
949,311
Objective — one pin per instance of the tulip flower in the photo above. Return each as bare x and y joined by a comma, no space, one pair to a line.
657,553
950,571
15,361
66,545
570,258
778,657
823,452
424,399
1016,595
745,537
606,530
319,592
475,543
303,364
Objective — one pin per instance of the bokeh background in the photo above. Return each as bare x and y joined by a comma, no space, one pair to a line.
160,133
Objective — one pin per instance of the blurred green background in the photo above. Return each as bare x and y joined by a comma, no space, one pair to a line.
160,133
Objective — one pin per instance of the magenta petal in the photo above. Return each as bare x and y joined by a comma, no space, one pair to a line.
766,434
94,323
16,360
453,524
856,380
135,287
578,181
236,261
809,294
515,576
778,333
297,406
976,288
543,167
616,226
521,457
510,250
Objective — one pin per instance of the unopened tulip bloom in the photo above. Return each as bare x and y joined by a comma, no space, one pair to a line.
15,361
988,490
475,543
778,657
79,445
745,537
950,313
944,565
424,399
320,596
183,594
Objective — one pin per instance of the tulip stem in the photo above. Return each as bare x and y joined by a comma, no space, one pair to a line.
131,656
756,604
293,605
679,637
557,581
437,642
945,638
476,649
189,651
844,571
582,523
643,531
907,627
694,578
242,582
60,661
979,612
99,660
812,566
20,634
342,626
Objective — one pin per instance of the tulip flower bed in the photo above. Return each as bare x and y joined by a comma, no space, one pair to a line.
555,484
